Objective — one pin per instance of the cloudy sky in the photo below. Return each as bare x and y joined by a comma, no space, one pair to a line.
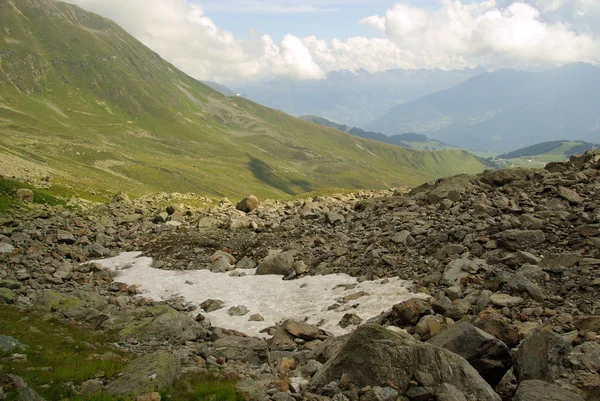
232,40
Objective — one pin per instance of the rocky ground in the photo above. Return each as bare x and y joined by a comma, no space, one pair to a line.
509,259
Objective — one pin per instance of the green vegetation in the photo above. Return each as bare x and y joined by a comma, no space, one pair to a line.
8,189
540,154
203,388
99,112
60,356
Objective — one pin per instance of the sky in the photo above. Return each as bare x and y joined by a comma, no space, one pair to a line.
238,40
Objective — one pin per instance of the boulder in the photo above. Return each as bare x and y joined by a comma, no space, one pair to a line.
373,355
537,390
249,350
570,195
17,389
541,357
301,330
488,355
409,312
278,264
248,204
516,240
24,195
65,237
7,296
161,323
153,372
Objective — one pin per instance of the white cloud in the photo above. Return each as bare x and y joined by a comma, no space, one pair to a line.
452,35
458,35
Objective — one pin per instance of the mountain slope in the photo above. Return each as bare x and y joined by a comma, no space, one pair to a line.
406,140
354,98
87,104
505,110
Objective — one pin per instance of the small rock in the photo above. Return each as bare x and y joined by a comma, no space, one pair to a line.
239,310
248,204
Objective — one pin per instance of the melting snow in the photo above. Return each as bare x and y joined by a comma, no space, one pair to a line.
270,296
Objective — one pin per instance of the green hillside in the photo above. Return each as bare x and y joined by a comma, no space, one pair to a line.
86,104
542,153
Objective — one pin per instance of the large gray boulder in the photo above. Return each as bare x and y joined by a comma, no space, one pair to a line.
160,323
488,355
537,390
541,357
17,389
373,356
153,372
280,264
517,240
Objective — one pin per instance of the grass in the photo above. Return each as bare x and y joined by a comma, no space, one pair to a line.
60,356
8,189
57,354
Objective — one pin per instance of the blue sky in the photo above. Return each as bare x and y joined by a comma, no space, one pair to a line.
232,40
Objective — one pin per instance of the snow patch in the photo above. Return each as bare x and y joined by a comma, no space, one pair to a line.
273,298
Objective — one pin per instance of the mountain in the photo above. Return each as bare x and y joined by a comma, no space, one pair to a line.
505,110
89,106
406,140
540,154
355,98
219,88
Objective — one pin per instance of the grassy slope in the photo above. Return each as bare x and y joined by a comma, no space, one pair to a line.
559,151
81,96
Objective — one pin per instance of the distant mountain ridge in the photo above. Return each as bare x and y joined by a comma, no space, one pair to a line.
407,140
505,109
569,148
354,98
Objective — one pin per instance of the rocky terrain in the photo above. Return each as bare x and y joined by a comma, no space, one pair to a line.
508,259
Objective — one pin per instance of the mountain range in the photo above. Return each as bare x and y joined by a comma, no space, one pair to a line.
91,107
505,110
353,98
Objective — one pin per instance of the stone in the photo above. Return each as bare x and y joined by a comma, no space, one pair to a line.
447,392
250,350
570,195
334,218
281,341
458,269
248,204
6,248
256,318
279,264
586,356
541,357
9,344
24,195
504,300
409,312
458,309
65,237
372,355
516,240
301,330
404,238
7,296
161,218
17,389
211,305
521,284
162,323
221,265
121,197
498,326
537,390
566,260
154,396
488,355
378,393
153,372
350,319
239,310
92,386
